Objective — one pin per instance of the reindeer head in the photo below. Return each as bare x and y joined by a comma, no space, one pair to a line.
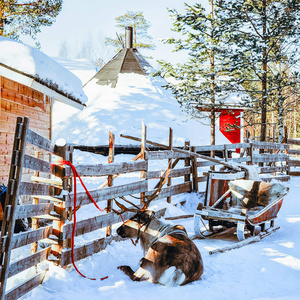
132,227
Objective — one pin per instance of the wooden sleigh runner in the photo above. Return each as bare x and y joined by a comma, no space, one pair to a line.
247,205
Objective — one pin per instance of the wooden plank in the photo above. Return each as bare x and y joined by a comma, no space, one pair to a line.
174,173
28,237
240,159
54,181
40,165
22,289
273,169
166,154
29,188
95,223
108,193
95,246
88,249
31,210
40,141
294,163
266,145
109,169
172,190
202,178
206,163
276,177
209,148
28,262
293,141
294,152
270,158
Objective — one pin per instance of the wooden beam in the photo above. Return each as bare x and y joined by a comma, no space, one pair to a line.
32,210
25,287
166,154
109,169
172,190
174,173
107,193
28,262
111,157
28,237
40,141
29,188
270,158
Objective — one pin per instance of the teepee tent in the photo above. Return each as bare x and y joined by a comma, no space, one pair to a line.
121,96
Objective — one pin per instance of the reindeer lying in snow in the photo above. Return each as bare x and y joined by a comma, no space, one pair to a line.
171,258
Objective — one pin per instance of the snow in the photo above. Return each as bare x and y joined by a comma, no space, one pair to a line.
32,62
122,110
268,269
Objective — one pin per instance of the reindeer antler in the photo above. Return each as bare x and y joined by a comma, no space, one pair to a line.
159,185
124,208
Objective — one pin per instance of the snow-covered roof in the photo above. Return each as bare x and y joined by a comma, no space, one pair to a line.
127,60
22,59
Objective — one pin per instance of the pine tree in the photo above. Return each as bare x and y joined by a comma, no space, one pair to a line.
200,81
140,26
259,34
19,17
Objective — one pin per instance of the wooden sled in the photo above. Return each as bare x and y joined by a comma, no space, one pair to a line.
247,205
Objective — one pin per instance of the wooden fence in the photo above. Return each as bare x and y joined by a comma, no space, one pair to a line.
52,197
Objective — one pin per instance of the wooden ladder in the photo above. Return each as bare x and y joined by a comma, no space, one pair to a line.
11,201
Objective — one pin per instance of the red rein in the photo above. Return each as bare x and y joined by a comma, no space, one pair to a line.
75,174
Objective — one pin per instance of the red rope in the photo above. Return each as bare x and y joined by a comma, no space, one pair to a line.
75,174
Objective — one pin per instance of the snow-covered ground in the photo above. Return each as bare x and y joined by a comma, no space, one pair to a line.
269,269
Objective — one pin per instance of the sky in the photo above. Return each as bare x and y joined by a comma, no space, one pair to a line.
79,19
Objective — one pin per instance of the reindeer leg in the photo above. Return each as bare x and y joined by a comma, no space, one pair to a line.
129,272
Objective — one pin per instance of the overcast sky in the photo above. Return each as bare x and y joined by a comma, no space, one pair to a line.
78,19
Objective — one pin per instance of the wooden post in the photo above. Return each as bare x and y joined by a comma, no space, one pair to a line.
225,153
111,156
195,171
187,161
143,156
35,221
66,152
170,159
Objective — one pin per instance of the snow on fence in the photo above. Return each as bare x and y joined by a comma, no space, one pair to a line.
51,188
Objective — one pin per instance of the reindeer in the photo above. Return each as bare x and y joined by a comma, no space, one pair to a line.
170,257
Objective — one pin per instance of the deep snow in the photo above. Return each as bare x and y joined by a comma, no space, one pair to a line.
32,62
268,269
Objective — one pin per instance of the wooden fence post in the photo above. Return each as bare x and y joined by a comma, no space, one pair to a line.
194,170
66,152
170,159
111,157
187,161
35,221
143,156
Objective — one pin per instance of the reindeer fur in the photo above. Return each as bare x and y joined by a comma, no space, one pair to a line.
171,258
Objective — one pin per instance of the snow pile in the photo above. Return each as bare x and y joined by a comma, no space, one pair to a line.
121,110
34,63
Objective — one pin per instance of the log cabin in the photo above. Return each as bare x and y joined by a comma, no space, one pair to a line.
30,82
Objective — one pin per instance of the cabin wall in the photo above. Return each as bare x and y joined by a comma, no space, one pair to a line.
19,100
